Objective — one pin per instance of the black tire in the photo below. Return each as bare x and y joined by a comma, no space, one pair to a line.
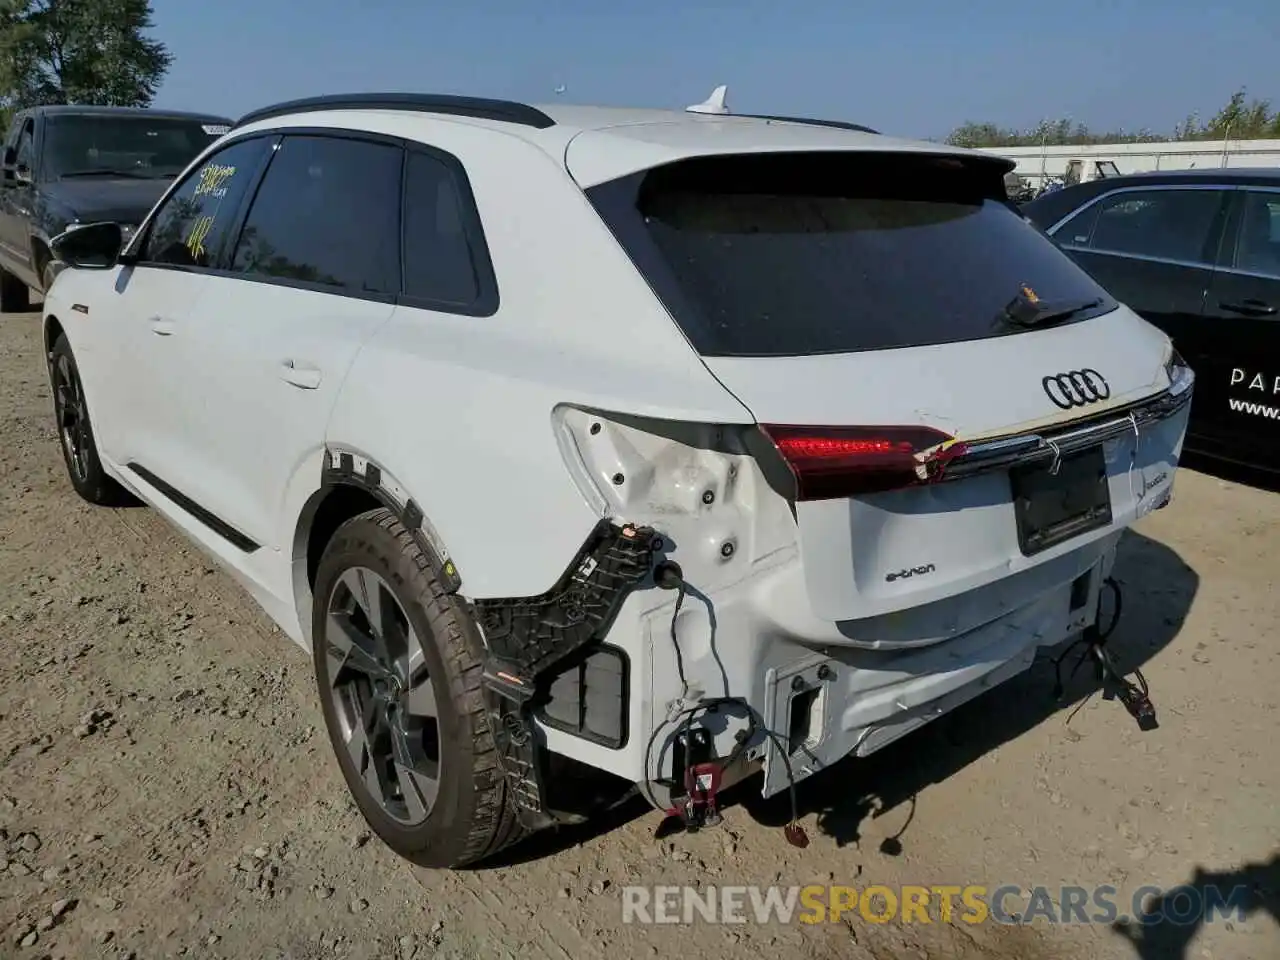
75,432
472,815
15,296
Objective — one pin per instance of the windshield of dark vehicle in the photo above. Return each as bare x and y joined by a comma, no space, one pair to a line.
788,255
132,146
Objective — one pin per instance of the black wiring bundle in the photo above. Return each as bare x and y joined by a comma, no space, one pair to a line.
669,576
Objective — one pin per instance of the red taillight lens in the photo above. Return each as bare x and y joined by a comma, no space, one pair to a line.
829,462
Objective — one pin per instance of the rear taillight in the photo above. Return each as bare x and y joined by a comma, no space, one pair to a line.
830,462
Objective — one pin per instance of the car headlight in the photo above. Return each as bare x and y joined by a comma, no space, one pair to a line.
1181,376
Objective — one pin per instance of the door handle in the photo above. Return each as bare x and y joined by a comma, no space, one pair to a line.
1250,308
300,375
161,326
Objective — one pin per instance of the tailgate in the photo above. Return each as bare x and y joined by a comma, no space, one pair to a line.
946,397
997,408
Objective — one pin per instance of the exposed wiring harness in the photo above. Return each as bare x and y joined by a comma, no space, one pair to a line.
1135,696
668,576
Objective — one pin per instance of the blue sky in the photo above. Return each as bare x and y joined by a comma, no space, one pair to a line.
911,67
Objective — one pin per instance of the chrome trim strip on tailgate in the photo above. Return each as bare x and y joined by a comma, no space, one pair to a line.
1027,448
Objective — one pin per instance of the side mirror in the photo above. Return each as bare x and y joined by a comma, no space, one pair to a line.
95,246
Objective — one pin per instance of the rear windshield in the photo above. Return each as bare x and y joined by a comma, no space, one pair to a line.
797,254
129,145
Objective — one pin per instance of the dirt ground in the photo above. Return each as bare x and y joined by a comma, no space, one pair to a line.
167,790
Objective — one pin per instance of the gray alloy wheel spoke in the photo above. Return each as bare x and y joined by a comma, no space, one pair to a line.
362,748
417,775
377,604
418,791
382,693
421,701
70,414
349,646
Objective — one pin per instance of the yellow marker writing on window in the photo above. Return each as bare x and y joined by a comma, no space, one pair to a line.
213,179
195,239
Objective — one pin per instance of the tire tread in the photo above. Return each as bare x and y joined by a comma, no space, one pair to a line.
493,824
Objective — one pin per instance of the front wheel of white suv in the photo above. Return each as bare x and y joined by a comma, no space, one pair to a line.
75,431
398,667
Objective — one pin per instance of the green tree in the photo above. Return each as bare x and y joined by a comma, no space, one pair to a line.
79,51
1240,118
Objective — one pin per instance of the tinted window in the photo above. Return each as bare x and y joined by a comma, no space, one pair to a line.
328,212
1078,231
828,253
142,146
438,260
1258,246
26,147
191,227
1170,224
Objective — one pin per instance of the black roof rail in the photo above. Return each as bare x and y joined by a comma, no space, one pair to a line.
838,124
507,111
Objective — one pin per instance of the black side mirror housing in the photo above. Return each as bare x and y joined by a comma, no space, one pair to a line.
95,246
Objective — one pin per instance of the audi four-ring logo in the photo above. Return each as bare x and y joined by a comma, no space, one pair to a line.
1076,388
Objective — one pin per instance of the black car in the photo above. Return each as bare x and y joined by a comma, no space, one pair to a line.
69,165
1197,253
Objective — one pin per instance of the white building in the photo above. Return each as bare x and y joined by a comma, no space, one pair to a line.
1037,163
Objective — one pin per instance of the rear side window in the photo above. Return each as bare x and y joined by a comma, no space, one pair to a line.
440,265
327,213
1258,244
1167,224
786,255
192,223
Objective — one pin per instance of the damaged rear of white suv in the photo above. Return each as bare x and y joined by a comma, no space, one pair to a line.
748,444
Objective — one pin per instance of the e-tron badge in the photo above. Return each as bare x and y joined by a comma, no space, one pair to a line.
1076,388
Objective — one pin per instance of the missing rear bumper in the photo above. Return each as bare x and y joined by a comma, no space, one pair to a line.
833,707
532,640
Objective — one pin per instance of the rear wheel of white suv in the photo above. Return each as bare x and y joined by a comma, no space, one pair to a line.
398,667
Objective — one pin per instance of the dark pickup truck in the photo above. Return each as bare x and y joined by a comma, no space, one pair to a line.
69,165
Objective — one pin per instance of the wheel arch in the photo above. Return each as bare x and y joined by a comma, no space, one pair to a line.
52,330
351,484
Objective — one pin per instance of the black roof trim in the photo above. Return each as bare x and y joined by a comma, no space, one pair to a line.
838,124
507,111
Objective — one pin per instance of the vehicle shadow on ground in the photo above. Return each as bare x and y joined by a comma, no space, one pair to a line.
1158,588
1170,922
1268,480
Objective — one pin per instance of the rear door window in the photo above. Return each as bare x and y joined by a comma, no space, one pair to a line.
1167,224
1258,243
785,255
327,215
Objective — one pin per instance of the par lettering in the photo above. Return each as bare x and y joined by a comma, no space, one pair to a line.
1256,382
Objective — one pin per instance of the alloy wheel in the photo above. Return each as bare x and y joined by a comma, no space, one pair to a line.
382,696
72,417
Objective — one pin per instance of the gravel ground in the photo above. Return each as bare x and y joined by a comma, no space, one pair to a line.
166,787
